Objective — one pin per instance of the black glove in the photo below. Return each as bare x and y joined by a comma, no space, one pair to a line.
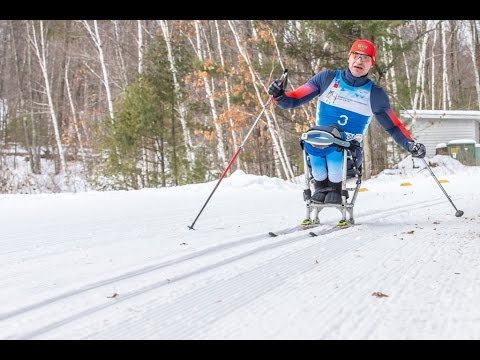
276,89
417,149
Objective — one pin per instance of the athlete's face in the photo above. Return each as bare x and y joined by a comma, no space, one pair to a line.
359,63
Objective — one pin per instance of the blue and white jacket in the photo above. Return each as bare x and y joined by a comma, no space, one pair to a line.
348,102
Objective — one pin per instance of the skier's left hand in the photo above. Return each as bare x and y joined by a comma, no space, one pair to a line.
417,149
276,89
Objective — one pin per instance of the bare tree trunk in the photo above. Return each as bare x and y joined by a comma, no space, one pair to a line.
433,70
85,107
456,56
278,158
119,51
40,52
391,76
277,129
218,127
95,35
74,112
377,148
227,93
37,164
34,161
446,101
141,47
255,38
308,115
143,181
178,102
145,151
367,156
63,124
473,48
419,90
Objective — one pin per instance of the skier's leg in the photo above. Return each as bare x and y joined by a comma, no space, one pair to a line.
335,176
319,173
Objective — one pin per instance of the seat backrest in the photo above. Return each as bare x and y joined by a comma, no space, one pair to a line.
354,160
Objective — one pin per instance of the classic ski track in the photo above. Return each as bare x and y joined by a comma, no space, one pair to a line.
272,243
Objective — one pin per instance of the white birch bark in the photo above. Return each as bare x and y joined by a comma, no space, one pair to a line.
95,35
423,97
446,101
141,46
421,69
20,64
227,93
74,112
290,175
255,38
206,81
85,128
40,48
433,73
278,158
180,106
145,152
119,51
392,83
473,47
307,113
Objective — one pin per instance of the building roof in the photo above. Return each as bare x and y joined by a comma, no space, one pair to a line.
461,141
441,114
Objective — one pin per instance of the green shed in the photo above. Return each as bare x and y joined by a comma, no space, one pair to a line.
463,150
477,154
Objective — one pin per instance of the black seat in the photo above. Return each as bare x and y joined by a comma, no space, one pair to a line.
354,160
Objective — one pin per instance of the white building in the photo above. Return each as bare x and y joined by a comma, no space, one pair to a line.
432,127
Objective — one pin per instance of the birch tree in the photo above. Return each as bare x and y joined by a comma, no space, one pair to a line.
208,89
419,90
433,68
179,105
119,44
97,40
140,46
227,91
74,112
37,39
307,113
277,129
278,158
391,78
473,50
446,99
22,68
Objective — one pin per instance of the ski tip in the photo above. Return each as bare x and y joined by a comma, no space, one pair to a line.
312,234
272,234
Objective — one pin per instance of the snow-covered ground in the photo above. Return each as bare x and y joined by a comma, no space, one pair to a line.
124,265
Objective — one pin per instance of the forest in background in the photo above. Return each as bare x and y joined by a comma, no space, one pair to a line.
155,103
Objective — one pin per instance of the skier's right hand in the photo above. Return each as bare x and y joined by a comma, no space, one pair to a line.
417,150
276,89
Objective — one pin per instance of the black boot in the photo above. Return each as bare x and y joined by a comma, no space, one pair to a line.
320,190
334,196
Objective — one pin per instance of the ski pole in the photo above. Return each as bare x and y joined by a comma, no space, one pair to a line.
458,213
284,76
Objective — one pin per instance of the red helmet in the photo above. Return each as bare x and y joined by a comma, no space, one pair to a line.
364,46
